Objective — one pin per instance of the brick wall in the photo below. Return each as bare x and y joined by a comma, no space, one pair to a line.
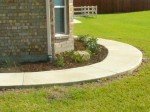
23,32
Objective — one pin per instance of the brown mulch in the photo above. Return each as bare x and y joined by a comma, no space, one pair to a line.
47,66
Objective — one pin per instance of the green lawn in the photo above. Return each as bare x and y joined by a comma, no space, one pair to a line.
128,94
132,28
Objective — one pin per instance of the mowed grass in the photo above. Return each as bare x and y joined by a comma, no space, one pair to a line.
130,93
132,28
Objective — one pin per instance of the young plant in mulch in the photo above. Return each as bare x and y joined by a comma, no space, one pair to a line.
60,62
68,58
91,43
86,46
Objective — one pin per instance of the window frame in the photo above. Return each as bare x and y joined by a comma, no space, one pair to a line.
65,17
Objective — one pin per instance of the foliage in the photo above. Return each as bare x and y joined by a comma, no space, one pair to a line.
76,57
83,38
9,63
68,54
60,62
91,43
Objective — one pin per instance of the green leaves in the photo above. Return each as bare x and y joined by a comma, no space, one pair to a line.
91,43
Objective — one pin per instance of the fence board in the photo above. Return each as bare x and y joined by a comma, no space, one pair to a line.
85,11
113,6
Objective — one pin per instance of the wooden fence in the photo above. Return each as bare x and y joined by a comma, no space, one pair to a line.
85,11
113,6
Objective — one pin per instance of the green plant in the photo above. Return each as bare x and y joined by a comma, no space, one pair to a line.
60,62
9,62
77,58
68,54
91,43
83,38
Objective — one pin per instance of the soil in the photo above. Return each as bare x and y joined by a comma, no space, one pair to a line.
47,66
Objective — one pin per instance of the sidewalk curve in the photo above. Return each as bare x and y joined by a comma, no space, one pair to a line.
122,58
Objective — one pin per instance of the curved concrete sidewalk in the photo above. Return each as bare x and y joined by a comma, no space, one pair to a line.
122,58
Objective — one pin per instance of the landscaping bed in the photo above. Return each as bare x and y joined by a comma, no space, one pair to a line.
65,61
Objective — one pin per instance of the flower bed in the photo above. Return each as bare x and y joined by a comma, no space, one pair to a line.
63,60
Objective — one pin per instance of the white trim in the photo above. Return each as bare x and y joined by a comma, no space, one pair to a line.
61,35
65,9
48,27
59,7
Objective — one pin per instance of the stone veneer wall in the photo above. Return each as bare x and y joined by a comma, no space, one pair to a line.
23,32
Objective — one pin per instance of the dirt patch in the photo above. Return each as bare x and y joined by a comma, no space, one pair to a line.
47,66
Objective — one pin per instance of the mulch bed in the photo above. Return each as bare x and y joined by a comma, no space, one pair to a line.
47,66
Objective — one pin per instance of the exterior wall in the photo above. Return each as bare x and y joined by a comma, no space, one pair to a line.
66,43
23,32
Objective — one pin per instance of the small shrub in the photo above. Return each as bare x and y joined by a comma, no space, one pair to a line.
89,52
83,38
77,58
9,63
91,43
68,54
60,62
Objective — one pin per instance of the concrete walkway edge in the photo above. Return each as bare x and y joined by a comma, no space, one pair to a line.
122,58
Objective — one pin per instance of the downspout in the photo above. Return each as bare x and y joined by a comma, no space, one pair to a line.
52,26
48,29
